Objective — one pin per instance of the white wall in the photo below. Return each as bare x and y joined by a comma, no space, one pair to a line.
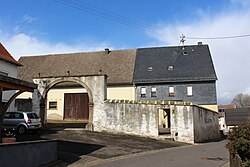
11,70
121,93
125,92
58,96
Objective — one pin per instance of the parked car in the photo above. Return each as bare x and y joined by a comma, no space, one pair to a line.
21,121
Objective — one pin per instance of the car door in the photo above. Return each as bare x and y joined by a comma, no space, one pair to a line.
9,121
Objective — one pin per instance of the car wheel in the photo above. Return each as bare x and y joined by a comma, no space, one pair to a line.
21,129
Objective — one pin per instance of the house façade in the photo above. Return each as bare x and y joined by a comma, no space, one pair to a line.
178,73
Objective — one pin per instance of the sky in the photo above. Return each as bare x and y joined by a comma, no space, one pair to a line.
32,27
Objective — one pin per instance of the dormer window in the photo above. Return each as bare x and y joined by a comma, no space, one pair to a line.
150,68
170,68
185,53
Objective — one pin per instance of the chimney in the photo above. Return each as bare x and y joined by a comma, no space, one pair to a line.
107,51
199,43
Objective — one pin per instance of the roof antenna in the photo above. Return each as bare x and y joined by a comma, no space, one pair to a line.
182,40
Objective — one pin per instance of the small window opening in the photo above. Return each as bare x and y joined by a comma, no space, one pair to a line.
189,91
153,92
171,91
143,92
150,68
53,105
170,68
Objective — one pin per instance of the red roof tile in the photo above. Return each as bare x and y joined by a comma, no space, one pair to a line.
5,55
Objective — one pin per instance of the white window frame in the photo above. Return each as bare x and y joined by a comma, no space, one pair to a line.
171,91
189,91
153,92
143,91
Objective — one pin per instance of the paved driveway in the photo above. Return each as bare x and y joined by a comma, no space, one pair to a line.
77,147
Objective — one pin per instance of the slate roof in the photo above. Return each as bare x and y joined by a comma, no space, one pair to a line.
118,65
174,64
237,116
6,56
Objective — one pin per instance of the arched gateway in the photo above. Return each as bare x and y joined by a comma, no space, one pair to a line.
96,86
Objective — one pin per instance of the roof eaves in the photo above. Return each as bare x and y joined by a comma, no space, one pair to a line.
167,80
12,62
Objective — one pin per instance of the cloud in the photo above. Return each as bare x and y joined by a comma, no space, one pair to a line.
29,19
231,56
25,45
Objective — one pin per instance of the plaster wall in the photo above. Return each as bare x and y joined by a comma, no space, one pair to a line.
123,92
142,118
136,119
95,86
206,124
11,70
182,123
57,95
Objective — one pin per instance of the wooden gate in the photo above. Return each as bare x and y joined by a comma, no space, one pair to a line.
76,106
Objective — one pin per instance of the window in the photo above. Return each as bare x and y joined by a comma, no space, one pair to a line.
53,105
13,115
171,91
150,68
189,91
143,92
170,68
153,92
185,53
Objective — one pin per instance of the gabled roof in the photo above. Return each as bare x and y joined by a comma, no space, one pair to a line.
174,64
6,56
118,65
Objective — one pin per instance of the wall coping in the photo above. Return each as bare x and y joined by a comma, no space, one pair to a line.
28,142
149,102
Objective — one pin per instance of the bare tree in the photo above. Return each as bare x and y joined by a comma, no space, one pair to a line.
241,100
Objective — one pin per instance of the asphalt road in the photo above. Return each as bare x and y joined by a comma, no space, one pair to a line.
212,154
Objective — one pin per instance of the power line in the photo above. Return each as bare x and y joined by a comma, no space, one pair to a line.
83,6
107,14
224,37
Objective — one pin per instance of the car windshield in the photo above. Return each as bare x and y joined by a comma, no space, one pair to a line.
32,116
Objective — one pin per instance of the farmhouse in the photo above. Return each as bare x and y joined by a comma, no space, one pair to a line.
146,91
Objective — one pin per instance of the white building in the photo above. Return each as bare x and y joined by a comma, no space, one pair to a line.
8,67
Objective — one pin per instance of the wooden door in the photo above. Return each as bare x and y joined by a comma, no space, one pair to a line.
76,106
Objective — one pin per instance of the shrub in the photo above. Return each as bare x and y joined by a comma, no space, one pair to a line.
239,143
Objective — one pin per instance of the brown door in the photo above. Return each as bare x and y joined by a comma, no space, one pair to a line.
76,106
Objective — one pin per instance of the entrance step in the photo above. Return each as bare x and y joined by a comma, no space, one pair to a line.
166,137
164,130
66,124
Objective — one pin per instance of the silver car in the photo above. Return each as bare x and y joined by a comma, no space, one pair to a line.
21,121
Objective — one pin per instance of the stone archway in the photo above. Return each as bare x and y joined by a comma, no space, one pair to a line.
95,86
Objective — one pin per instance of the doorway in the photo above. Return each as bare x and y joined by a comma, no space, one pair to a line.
76,106
164,121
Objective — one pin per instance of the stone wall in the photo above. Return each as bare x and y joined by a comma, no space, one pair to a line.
206,124
130,118
189,123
